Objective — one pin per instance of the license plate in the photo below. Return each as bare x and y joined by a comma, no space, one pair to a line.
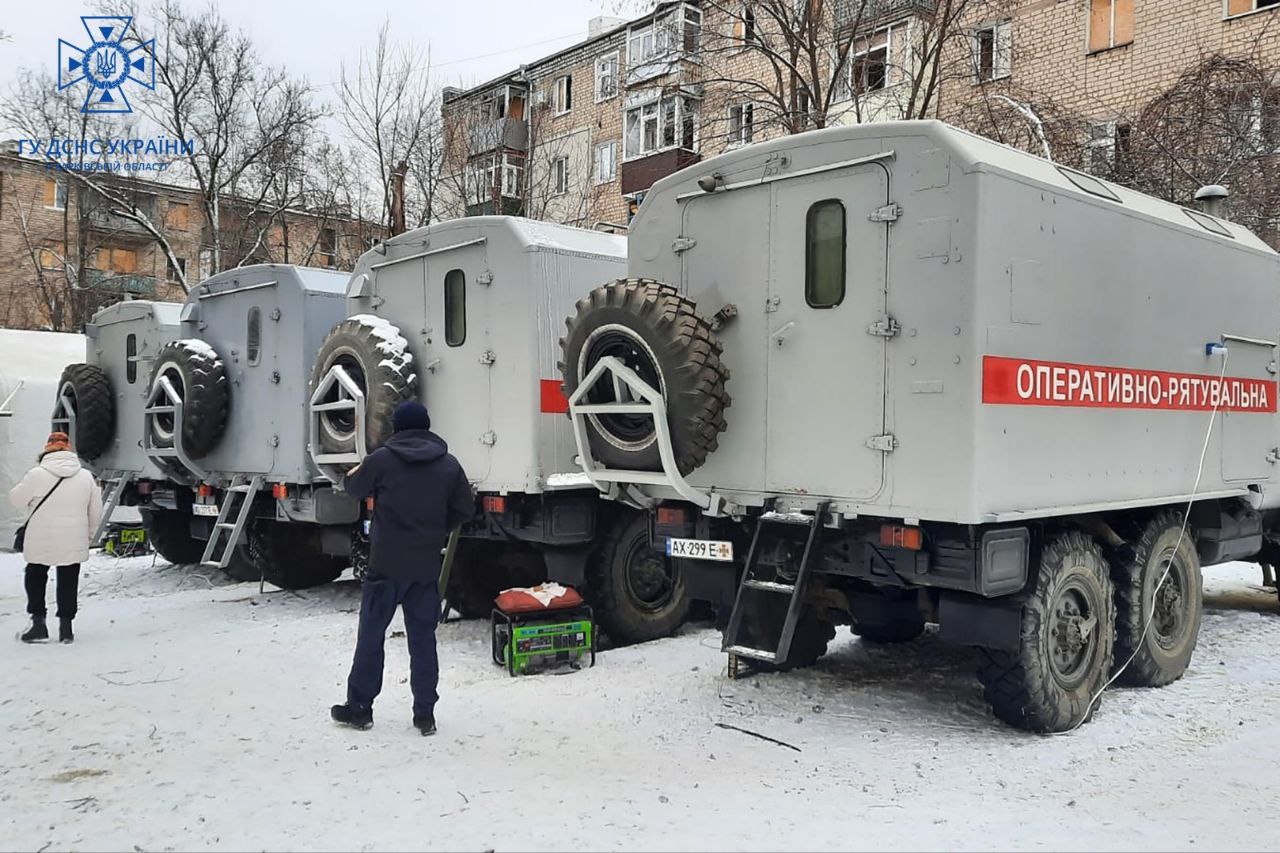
700,549
210,510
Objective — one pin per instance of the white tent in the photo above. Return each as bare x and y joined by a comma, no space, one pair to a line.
30,366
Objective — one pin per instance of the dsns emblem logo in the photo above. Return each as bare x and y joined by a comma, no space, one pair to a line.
106,64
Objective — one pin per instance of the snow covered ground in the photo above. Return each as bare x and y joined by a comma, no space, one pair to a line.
193,713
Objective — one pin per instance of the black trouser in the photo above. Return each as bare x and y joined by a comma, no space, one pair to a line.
68,583
378,602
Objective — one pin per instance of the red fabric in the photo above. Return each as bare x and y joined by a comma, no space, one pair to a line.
521,601
554,402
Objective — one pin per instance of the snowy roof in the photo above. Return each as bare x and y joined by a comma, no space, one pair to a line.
528,233
971,153
305,279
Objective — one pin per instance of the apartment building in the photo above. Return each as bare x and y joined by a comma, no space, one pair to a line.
578,136
65,250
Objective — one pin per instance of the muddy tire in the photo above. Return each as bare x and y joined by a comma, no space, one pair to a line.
376,357
1162,642
1068,631
88,390
762,624
638,594
289,556
199,378
656,332
170,534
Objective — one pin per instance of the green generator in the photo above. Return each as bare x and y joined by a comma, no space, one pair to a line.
529,642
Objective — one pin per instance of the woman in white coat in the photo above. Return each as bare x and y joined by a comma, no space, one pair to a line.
58,532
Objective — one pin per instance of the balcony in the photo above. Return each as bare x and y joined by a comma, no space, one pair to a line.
125,284
504,133
641,173
868,14
99,218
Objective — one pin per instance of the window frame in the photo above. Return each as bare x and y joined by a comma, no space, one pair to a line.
1001,33
1254,9
1112,42
614,59
612,146
448,308
810,251
253,329
686,110
562,95
744,131
560,176
60,196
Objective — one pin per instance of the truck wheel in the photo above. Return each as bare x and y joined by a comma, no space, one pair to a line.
376,357
200,381
638,594
1068,622
762,624
1161,650
170,534
88,390
656,332
288,555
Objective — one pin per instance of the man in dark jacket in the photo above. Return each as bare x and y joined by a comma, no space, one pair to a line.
420,494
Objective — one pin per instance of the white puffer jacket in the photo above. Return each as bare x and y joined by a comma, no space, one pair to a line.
58,534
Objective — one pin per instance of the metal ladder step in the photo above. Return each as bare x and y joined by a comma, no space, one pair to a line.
114,494
226,534
754,654
771,586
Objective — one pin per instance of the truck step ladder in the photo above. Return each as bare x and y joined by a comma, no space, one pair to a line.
113,485
226,534
751,585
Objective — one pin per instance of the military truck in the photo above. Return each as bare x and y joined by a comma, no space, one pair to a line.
99,403
225,419
465,316
970,387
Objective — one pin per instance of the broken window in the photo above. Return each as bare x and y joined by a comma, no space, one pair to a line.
824,257
606,77
564,94
660,124
328,247
606,162
171,271
455,307
178,216
993,51
1243,7
740,123
1110,23
560,176
744,26
55,194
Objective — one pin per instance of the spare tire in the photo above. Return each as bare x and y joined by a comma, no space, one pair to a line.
376,357
656,332
200,380
87,390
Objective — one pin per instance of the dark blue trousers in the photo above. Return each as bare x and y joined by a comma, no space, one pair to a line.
421,604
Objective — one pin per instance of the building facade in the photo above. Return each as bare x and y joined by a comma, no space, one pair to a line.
577,137
66,251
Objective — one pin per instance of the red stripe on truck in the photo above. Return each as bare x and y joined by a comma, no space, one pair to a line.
1029,382
554,402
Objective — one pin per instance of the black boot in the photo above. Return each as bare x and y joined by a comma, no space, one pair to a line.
64,631
350,715
425,723
37,633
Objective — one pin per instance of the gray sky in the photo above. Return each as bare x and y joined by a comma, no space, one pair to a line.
470,40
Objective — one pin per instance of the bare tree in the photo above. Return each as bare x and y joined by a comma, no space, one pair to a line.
392,114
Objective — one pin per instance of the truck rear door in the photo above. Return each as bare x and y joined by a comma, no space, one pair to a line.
826,362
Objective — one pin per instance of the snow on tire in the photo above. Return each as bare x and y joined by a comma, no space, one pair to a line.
376,357
86,389
196,374
656,332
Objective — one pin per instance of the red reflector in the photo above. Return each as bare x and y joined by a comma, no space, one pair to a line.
144,487
494,503
280,491
204,490
671,515
368,504
554,402
898,536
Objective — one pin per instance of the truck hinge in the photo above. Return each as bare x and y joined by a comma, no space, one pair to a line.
487,357
489,439
884,443
885,327
1273,455
683,244
485,278
889,213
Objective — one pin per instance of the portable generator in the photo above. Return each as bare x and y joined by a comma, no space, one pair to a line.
526,642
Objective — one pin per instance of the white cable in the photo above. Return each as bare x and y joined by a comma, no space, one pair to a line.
1186,516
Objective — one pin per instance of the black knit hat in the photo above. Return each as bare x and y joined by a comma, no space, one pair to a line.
410,415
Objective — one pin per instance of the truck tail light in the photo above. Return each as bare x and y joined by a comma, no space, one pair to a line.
900,536
279,491
368,504
672,515
205,490
495,504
